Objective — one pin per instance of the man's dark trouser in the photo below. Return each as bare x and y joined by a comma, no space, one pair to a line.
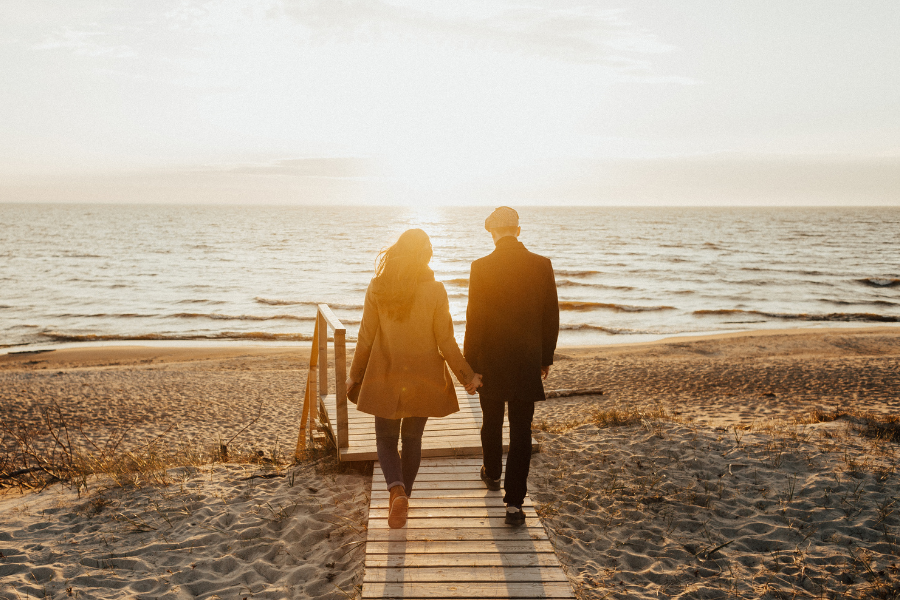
521,413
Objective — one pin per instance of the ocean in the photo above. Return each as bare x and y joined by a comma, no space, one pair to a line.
110,273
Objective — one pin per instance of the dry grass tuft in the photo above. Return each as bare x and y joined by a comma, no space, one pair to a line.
59,451
610,417
885,428
618,417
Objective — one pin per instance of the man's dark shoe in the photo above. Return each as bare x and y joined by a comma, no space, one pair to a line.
492,484
515,515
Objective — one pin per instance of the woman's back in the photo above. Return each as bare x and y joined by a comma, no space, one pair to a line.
403,359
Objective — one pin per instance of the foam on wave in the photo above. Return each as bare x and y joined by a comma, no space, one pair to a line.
863,317
585,306
224,335
880,282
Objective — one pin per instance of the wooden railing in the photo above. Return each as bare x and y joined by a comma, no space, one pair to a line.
317,381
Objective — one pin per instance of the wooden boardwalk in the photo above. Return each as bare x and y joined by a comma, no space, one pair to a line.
456,543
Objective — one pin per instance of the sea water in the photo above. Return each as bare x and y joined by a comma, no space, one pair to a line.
80,273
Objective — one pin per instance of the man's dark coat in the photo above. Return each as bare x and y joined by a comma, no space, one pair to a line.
512,321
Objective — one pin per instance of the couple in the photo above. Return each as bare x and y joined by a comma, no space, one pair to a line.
406,341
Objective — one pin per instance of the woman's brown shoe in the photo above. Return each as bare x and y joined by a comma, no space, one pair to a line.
399,506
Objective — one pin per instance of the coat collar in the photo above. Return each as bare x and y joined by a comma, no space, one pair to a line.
509,243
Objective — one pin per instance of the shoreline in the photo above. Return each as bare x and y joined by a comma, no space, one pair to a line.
206,349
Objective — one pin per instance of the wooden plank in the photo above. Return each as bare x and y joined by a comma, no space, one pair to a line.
470,474
473,466
450,485
455,512
438,443
416,547
331,318
418,494
493,559
423,503
370,453
495,521
468,590
448,462
472,574
450,432
443,424
521,533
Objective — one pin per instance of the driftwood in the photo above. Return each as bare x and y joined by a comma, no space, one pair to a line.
574,392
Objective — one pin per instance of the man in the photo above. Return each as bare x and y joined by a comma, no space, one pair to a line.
512,323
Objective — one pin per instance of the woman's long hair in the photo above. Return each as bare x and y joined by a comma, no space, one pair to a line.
399,269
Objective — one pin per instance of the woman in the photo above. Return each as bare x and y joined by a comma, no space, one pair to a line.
404,345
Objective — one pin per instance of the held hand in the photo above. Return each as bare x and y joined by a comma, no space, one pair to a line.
544,372
474,384
350,384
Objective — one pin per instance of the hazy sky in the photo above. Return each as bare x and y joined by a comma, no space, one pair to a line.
464,102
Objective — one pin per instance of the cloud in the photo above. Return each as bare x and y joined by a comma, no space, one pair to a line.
84,43
337,168
580,33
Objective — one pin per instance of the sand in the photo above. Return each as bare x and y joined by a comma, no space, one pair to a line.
690,507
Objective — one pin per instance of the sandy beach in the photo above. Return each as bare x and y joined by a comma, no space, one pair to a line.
720,484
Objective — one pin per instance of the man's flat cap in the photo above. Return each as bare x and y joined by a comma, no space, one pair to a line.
502,217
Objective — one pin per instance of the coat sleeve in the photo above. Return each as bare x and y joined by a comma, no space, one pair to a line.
550,320
472,346
443,334
368,327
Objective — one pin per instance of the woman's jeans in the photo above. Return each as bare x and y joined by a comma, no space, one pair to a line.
400,469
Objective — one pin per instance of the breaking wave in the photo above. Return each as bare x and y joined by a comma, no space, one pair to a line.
242,317
584,306
225,335
271,302
869,302
570,283
862,317
277,302
609,330
568,273
880,282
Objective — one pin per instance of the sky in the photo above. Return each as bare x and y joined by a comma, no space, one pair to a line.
468,102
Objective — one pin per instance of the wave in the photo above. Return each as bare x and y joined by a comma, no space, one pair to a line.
567,273
863,317
201,301
225,335
879,282
241,317
457,281
570,283
584,306
609,330
277,302
106,316
271,302
860,302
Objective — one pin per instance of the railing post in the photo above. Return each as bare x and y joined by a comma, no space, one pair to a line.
323,352
340,388
309,413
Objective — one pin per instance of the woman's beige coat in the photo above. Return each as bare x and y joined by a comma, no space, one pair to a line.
401,364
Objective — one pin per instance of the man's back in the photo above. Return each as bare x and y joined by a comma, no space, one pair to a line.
512,321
